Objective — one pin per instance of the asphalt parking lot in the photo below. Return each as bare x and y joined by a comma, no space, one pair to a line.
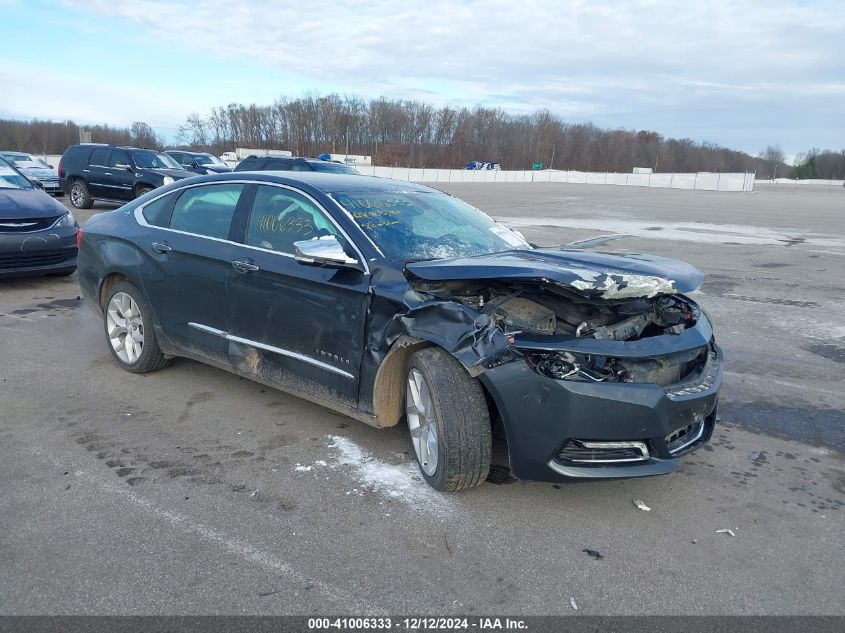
194,491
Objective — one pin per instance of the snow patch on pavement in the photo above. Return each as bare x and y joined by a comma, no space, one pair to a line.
302,468
402,482
701,232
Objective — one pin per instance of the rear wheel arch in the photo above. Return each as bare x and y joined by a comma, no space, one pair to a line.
106,285
128,321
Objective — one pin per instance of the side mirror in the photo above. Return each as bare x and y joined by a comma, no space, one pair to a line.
36,183
323,251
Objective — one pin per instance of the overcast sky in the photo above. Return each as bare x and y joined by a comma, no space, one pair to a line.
740,73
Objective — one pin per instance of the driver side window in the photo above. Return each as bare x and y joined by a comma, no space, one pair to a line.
280,217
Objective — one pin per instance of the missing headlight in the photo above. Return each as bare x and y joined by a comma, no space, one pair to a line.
569,366
665,370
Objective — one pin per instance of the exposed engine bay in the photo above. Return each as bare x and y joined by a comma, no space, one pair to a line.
548,309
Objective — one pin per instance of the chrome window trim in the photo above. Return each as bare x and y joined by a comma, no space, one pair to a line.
276,350
139,217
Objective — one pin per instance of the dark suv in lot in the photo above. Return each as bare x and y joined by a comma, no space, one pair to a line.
91,171
198,162
292,163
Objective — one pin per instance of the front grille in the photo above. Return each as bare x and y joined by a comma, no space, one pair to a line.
31,259
684,437
585,453
26,225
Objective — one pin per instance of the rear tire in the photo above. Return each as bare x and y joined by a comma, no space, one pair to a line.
80,196
128,324
448,421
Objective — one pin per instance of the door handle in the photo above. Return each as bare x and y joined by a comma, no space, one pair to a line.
161,247
244,266
108,173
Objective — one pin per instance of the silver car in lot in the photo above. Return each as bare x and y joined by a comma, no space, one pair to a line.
36,170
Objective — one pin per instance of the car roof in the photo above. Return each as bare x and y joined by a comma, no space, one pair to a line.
186,151
329,182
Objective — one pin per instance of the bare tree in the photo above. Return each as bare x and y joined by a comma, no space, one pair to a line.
773,158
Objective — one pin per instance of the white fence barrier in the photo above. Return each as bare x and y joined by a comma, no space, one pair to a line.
807,181
703,181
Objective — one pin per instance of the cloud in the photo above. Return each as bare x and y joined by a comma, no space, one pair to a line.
53,93
616,63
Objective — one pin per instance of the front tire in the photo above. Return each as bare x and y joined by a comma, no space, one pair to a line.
127,320
140,191
448,421
80,197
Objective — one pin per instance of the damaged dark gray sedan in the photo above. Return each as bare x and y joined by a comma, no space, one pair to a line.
395,303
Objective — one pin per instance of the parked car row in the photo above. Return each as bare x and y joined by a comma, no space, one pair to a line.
90,172
39,172
37,233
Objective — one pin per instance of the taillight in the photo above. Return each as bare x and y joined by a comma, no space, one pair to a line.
78,237
59,168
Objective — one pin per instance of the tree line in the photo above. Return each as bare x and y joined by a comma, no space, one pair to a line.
399,132
54,137
412,133
823,164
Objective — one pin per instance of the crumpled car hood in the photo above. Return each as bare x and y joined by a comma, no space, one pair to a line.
591,274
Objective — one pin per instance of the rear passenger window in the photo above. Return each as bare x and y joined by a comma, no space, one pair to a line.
99,157
118,157
157,212
206,210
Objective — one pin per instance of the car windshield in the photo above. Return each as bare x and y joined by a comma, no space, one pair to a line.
413,225
154,160
205,159
335,168
22,161
10,179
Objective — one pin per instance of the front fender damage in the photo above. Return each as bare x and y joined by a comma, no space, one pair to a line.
553,327
468,335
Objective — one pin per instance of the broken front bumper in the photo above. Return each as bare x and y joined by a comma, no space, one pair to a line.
563,429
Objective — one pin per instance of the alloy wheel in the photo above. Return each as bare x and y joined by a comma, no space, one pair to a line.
422,422
77,195
125,327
